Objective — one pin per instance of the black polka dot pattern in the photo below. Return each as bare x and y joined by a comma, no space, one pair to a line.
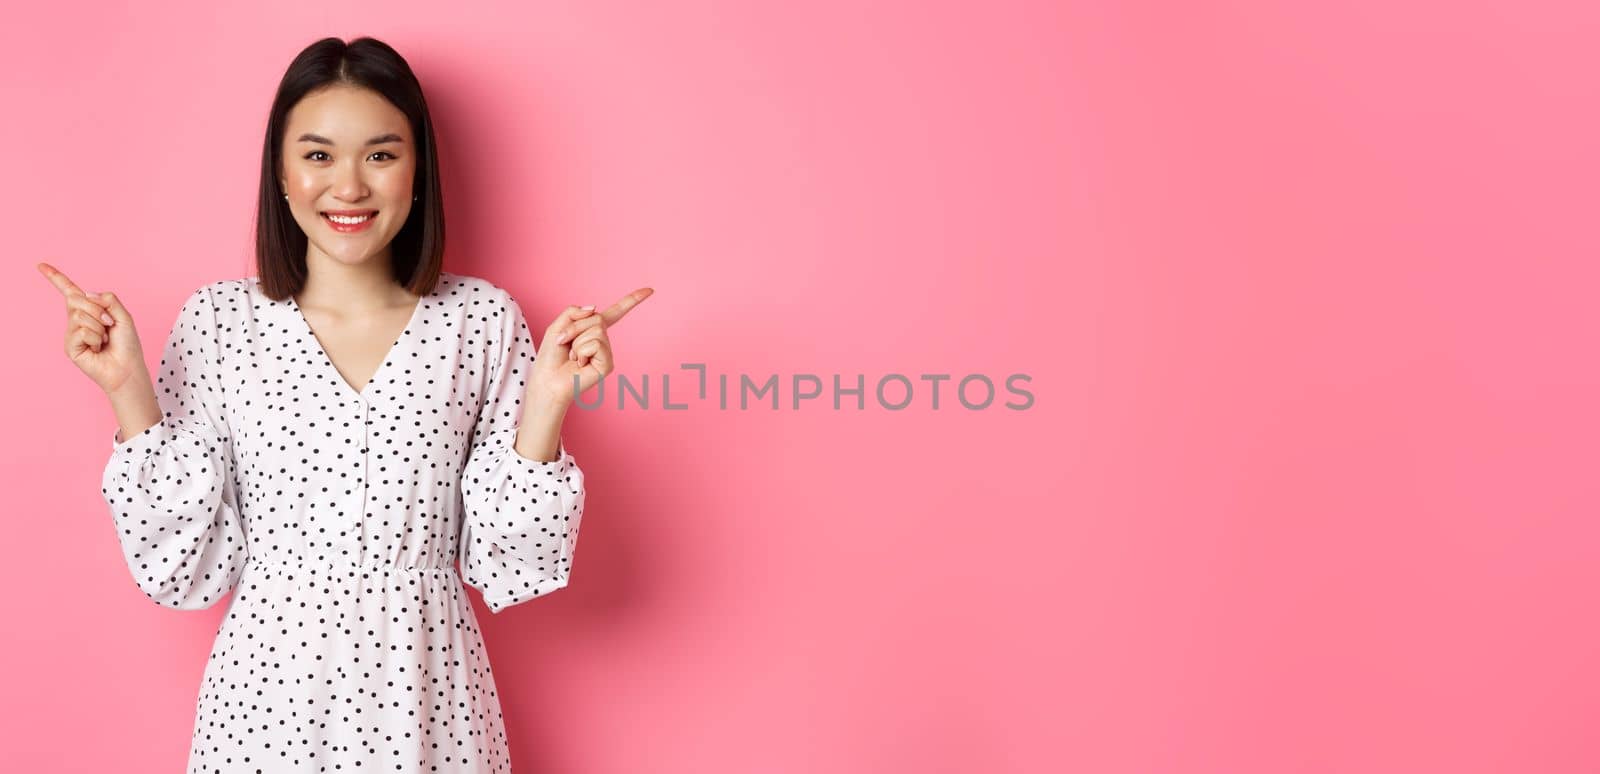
336,516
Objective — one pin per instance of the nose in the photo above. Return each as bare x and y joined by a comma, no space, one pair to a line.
347,183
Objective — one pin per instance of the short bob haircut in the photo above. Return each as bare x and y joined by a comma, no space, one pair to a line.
417,251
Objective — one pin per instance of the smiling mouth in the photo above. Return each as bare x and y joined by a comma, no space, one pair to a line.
350,220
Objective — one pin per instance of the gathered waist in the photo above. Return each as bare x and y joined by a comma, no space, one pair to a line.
320,565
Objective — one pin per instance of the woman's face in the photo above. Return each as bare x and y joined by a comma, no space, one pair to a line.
348,150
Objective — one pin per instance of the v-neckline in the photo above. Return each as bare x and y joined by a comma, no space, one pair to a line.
388,357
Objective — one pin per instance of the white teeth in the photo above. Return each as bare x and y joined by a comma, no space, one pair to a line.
351,221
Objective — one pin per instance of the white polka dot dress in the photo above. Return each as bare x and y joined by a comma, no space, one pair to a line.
336,517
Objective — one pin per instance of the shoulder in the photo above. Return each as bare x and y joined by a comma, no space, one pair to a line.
481,297
214,298
223,294
470,288
220,304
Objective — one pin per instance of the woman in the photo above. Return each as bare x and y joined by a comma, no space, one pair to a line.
326,439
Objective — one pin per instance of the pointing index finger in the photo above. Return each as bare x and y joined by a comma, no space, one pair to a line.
615,312
66,286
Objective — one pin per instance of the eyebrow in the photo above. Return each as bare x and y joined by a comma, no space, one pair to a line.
379,140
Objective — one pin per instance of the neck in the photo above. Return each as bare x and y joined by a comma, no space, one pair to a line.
359,288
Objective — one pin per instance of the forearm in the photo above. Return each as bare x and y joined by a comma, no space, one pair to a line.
540,432
135,405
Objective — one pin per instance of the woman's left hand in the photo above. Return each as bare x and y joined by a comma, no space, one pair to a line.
575,345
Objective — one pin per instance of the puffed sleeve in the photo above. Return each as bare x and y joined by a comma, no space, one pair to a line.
520,516
171,488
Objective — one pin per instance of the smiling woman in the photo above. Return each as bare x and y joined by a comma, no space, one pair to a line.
329,440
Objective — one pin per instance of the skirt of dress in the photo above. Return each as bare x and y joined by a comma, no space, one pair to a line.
321,668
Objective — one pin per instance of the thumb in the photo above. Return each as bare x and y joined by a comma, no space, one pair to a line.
115,307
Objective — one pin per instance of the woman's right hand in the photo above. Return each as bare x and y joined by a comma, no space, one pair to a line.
101,340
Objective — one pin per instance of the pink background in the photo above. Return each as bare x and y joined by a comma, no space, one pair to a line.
1307,296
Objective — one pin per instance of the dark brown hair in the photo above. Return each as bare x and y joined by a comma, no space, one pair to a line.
417,251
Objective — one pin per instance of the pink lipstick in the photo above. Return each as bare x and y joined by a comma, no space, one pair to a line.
349,221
